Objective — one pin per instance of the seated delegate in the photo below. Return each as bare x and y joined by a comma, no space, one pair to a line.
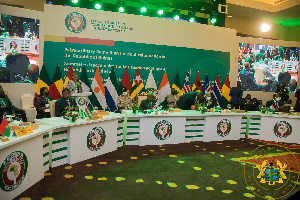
42,103
64,102
8,108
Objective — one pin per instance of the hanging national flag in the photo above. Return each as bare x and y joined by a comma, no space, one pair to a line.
57,85
3,125
43,81
225,92
86,87
111,93
207,87
177,85
197,84
69,75
164,88
217,93
137,85
151,82
98,91
186,85
125,82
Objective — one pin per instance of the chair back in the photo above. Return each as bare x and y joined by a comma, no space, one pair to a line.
27,101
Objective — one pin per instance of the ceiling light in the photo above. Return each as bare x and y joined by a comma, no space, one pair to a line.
265,27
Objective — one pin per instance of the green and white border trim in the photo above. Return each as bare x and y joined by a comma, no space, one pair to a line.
120,133
244,126
59,147
133,131
194,129
254,127
46,152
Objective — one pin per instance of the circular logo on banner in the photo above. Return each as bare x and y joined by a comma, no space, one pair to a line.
282,129
163,130
81,101
223,127
96,139
75,22
13,170
13,45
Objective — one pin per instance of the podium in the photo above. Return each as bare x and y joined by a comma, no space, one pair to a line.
82,99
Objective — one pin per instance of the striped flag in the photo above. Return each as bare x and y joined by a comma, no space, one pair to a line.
137,84
3,125
207,87
217,93
98,90
57,85
125,82
225,92
177,85
151,82
164,88
85,84
69,75
197,84
187,85
43,81
111,93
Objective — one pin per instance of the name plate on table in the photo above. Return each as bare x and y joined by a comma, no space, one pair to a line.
23,131
163,112
226,111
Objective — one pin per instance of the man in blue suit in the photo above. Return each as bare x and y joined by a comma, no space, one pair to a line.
236,94
64,102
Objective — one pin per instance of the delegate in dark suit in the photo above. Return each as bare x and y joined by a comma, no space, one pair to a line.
236,94
62,103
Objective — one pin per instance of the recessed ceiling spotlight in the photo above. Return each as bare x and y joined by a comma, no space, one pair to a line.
265,27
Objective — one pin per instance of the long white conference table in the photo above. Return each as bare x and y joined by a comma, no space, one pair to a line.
58,142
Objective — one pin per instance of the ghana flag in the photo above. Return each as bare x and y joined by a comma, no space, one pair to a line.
57,85
225,92
69,75
176,84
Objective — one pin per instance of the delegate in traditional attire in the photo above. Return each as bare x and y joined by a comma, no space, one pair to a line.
74,85
172,98
42,103
64,102
124,100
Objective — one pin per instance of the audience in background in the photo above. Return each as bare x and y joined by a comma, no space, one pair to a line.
42,104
